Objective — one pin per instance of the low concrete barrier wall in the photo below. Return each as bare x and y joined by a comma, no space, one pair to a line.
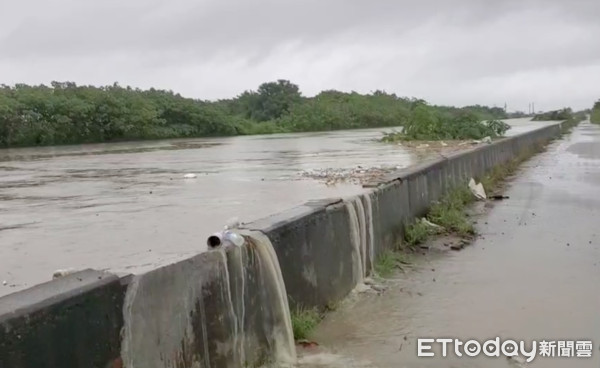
224,308
229,307
74,321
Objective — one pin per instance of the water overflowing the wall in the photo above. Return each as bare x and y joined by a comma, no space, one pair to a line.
226,308
360,213
281,330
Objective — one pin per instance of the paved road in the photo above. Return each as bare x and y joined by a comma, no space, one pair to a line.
535,274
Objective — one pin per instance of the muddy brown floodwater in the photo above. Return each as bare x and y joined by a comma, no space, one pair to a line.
126,206
534,274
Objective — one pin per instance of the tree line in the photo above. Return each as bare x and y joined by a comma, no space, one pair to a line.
595,114
560,115
66,113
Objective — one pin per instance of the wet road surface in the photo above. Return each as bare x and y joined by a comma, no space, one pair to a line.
534,275
126,207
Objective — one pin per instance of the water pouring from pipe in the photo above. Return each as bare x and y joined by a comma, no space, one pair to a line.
227,236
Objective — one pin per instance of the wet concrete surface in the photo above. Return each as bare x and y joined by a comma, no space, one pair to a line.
534,274
126,207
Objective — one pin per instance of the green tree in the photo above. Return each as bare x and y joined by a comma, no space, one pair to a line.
273,99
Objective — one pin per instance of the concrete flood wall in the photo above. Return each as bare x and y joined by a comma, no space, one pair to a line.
225,308
75,321
229,307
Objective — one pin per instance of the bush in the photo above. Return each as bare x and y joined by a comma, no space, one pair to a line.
430,123
558,115
595,114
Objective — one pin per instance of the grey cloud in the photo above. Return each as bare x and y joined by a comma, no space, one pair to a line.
216,48
207,27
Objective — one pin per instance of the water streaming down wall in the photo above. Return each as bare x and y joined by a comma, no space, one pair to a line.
224,308
280,329
360,213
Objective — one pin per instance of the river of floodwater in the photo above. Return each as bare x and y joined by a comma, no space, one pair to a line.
127,207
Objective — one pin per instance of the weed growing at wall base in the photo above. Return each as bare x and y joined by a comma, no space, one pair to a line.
389,261
449,213
417,233
304,321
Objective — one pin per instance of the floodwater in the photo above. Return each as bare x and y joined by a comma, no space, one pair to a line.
533,275
126,206
523,125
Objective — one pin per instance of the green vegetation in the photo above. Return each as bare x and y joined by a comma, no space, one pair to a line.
304,321
449,213
417,233
65,113
564,114
389,261
493,179
432,123
595,114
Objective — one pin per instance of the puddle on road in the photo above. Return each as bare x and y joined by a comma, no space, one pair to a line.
589,150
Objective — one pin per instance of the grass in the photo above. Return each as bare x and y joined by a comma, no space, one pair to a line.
389,261
453,219
450,212
417,233
494,178
304,321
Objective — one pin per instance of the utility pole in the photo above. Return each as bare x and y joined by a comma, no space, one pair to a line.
533,107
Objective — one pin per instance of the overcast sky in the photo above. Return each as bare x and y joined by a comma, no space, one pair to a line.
455,52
